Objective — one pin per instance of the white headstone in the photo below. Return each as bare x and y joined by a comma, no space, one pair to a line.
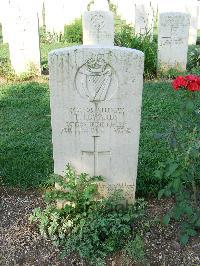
54,16
126,10
39,7
59,13
100,5
186,6
24,42
5,22
198,4
193,11
98,28
173,31
96,96
144,18
75,10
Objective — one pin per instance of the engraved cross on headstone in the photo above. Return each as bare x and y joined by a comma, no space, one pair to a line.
96,153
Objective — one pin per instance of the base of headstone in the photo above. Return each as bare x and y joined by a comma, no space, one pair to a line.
128,191
164,68
105,190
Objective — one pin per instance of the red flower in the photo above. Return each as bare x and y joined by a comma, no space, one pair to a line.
193,83
193,86
190,82
193,78
179,82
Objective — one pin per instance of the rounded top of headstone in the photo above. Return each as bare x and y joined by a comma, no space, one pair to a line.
174,13
100,5
175,17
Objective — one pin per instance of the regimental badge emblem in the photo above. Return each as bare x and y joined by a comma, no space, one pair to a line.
96,80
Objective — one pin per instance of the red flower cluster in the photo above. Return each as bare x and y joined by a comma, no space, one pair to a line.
190,82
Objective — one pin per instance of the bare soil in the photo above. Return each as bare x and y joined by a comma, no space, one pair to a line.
21,244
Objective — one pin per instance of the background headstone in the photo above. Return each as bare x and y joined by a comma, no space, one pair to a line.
5,21
144,18
126,10
54,16
59,13
173,31
186,6
95,32
100,5
193,11
198,4
96,96
39,7
24,40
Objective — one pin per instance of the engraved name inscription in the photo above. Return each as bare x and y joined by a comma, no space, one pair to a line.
96,120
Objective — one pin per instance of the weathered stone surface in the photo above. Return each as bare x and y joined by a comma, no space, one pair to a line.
173,31
98,28
96,96
186,6
24,42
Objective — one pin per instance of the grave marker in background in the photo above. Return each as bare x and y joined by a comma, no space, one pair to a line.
144,18
54,16
126,10
173,31
100,5
98,28
193,11
24,42
5,22
186,6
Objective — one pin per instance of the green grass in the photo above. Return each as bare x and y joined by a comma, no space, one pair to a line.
25,133
48,47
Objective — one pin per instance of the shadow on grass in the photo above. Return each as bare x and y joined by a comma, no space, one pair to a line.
25,135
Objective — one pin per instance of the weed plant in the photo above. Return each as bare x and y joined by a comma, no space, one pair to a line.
89,225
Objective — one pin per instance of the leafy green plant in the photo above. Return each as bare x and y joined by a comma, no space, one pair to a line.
87,224
134,250
125,37
6,70
73,33
48,37
193,58
182,169
31,73
170,73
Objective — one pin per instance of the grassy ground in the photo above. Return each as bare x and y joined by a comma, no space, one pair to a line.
25,133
